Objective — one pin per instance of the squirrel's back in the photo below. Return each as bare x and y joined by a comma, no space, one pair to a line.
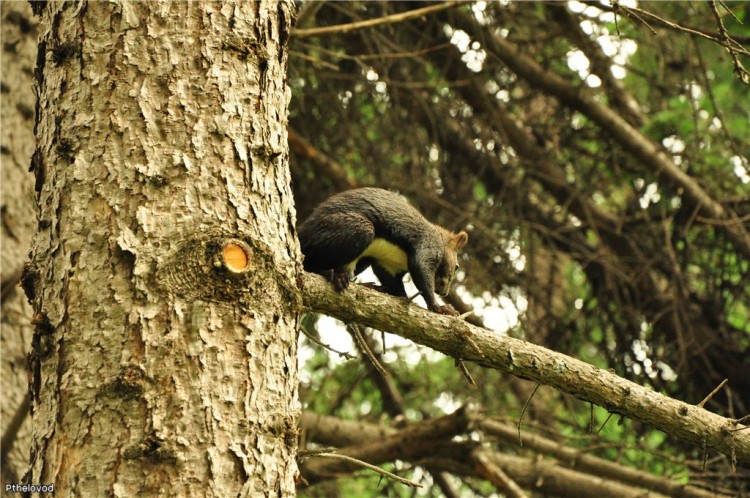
374,227
391,215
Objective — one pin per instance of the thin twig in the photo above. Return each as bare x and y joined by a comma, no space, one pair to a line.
412,298
603,424
726,7
633,12
361,463
477,350
314,60
369,23
462,367
367,351
729,43
741,420
708,85
741,220
712,393
379,56
317,341
616,6
523,410
643,14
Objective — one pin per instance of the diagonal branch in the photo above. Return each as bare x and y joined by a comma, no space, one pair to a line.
328,166
731,45
584,462
601,477
640,146
369,23
461,340
411,443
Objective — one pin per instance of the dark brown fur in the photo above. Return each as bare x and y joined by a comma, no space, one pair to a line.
355,229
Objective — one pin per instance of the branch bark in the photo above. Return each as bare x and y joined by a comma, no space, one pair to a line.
459,339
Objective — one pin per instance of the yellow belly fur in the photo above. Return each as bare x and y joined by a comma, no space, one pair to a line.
389,256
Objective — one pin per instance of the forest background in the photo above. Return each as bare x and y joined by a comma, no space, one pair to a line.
597,153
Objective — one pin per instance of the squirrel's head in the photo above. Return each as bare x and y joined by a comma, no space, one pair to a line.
446,270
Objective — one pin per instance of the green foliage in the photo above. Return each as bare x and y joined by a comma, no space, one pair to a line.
616,261
480,192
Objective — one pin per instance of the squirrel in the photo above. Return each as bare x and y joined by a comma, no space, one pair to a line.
364,227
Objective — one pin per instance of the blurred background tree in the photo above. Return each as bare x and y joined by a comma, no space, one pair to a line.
598,155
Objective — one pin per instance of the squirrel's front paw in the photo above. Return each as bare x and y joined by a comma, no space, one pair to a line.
340,280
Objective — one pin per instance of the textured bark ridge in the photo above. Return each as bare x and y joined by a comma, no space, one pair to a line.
205,267
161,367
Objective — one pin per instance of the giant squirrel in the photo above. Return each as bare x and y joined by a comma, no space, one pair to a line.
365,227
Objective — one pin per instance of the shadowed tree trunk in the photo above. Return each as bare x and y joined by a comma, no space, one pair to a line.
19,32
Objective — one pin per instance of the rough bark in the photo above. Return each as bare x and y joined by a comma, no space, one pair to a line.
160,366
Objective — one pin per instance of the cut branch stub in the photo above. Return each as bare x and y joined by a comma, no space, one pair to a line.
216,267
236,256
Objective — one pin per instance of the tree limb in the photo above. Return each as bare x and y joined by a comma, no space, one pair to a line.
411,443
584,462
631,139
369,23
541,475
528,361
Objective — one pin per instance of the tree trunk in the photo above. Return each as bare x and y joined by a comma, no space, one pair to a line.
163,364
19,31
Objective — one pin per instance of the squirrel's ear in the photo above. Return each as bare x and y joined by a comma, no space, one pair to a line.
460,239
